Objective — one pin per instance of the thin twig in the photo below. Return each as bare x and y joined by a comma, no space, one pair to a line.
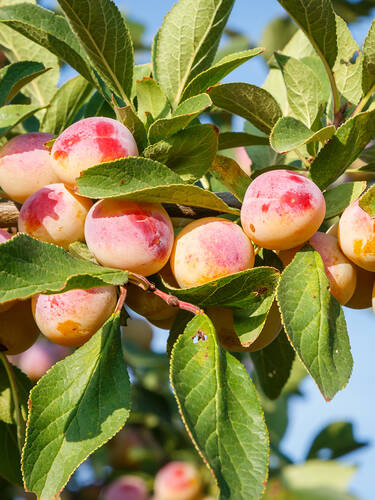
121,300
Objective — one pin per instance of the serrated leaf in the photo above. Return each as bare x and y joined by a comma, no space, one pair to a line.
187,42
314,322
367,202
189,153
273,365
290,133
229,173
29,266
218,71
102,31
65,104
151,99
229,140
339,197
305,95
343,148
221,411
127,116
142,179
76,407
249,101
15,76
13,114
24,385
10,463
184,114
140,71
368,63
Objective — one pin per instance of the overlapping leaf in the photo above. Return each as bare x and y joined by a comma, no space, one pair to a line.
24,385
14,77
229,173
151,99
229,140
367,202
368,64
10,464
13,114
338,438
339,197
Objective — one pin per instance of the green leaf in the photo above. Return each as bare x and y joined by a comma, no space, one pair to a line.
338,438
276,35
289,133
10,463
249,101
13,114
229,173
189,153
102,31
368,62
273,365
314,322
81,250
180,119
339,197
262,156
97,105
305,95
49,30
367,202
140,71
65,104
28,267
221,411
343,148
15,76
24,385
151,99
218,71
142,179
76,407
127,117
187,42
229,140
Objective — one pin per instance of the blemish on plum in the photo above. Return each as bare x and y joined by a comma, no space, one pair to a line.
265,207
252,228
298,200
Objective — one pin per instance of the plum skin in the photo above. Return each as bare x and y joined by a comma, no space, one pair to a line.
18,330
282,209
177,481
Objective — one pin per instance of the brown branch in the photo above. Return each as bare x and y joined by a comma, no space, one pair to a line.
9,211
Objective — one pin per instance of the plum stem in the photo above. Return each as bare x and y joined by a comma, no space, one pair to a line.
121,300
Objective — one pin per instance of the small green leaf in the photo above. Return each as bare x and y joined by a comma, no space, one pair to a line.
338,438
339,197
229,140
218,71
367,202
29,266
126,116
314,322
289,133
368,64
65,104
140,71
102,31
229,173
10,463
249,101
13,114
75,408
343,148
187,42
221,411
151,99
273,365
15,76
145,180
24,385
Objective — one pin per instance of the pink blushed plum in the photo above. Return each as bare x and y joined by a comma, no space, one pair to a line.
126,488
282,209
25,165
72,317
210,248
89,142
357,236
133,236
178,481
54,214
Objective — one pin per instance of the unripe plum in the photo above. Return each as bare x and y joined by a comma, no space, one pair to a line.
89,142
210,248
361,298
25,165
133,236
282,209
139,332
18,330
72,317
222,319
149,305
54,214
126,488
177,481
357,236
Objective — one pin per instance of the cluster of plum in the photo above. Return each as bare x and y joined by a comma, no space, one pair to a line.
282,210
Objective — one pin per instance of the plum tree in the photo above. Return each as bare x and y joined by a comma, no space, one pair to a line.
177,481
18,330
25,165
282,209
128,235
72,317
357,236
126,487
222,319
54,214
210,248
89,142
139,332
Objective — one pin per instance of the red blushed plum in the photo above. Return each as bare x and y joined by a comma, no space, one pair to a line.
357,236
178,481
89,142
25,165
126,488
210,248
18,330
54,214
282,209
136,237
72,317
